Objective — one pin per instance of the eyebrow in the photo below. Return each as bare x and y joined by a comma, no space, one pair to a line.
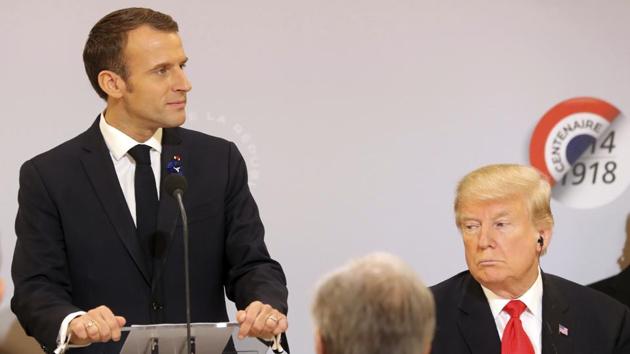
501,214
466,219
167,64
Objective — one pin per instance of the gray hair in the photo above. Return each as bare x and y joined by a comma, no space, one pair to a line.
374,304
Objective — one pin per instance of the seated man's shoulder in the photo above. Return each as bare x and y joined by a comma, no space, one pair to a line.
617,286
580,294
451,287
605,285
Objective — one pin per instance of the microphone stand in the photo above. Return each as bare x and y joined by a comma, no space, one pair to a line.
178,195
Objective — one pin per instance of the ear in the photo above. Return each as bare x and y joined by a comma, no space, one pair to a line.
546,236
320,348
111,83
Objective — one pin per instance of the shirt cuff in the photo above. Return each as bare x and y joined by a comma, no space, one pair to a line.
277,345
63,339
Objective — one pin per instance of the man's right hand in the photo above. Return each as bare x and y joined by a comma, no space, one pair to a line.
97,325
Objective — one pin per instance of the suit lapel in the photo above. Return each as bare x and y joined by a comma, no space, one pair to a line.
556,326
168,211
100,170
475,320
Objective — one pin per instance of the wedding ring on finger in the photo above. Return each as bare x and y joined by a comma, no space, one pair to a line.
90,324
273,318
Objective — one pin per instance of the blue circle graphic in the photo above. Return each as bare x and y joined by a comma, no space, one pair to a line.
577,146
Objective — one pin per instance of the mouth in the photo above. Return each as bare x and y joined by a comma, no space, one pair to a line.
488,262
177,104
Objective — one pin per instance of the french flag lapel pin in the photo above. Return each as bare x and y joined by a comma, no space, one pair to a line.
174,166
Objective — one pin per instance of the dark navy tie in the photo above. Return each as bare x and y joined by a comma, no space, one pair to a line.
146,197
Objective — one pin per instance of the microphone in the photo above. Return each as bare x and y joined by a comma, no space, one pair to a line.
175,186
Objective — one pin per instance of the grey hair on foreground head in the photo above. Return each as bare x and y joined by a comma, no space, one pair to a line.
374,304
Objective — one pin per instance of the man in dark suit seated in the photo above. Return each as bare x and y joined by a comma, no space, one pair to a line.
617,286
376,304
99,240
504,303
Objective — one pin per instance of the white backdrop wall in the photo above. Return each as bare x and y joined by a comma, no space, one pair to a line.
356,118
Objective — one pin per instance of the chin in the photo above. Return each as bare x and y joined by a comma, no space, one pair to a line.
488,277
174,122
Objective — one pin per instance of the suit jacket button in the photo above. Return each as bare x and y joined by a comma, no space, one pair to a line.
156,306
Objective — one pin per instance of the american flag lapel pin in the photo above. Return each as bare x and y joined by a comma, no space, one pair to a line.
563,330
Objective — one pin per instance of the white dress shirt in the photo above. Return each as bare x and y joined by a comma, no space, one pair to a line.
531,317
119,144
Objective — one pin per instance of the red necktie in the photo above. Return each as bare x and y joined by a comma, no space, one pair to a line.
515,340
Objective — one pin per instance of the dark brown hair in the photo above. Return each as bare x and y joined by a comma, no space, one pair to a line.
105,45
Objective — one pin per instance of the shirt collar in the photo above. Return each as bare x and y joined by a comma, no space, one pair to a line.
532,298
119,143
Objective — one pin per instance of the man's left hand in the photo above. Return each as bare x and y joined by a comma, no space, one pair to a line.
261,320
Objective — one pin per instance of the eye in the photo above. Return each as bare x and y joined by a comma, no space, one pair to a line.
470,227
161,71
501,224
182,65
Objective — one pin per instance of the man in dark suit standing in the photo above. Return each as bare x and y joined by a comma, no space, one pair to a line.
504,303
99,240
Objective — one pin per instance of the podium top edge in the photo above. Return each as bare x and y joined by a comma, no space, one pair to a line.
181,325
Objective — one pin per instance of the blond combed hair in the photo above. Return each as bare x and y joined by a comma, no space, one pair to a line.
503,182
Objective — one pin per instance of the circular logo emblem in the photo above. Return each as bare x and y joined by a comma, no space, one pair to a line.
581,144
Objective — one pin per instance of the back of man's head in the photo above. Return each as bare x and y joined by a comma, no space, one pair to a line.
374,304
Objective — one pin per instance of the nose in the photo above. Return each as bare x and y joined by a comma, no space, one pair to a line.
486,237
181,83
